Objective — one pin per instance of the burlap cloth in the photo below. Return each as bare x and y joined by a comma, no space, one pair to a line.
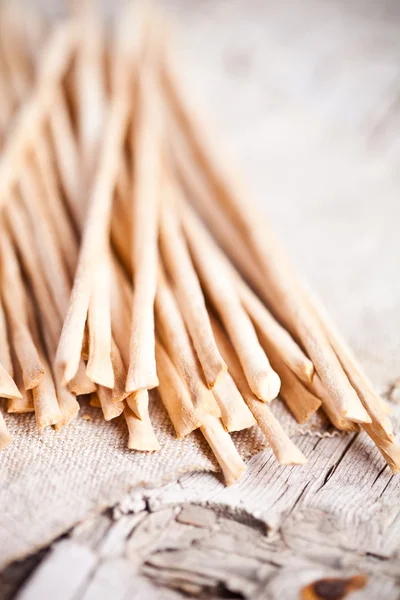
336,207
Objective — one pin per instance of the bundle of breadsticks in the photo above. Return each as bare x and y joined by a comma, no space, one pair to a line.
132,258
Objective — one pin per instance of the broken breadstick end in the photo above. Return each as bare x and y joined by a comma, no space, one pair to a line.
141,432
223,448
138,402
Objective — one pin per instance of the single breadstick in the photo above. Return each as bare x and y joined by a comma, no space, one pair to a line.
218,282
235,414
146,144
223,448
141,433
180,349
99,367
5,436
110,409
53,64
284,449
175,396
47,410
187,287
279,282
15,304
5,352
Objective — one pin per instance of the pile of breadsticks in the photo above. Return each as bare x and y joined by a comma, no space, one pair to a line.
132,258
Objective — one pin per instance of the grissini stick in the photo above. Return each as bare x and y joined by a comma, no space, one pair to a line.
147,134
220,287
187,286
223,448
99,367
141,432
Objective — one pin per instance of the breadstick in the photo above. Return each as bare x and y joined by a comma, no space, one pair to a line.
317,389
175,396
56,56
5,436
141,433
223,448
284,449
262,379
146,144
99,367
15,303
47,411
187,287
180,349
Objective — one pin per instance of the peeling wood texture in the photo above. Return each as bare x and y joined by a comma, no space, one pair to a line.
281,533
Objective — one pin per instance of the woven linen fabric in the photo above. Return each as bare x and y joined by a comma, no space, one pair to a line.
334,203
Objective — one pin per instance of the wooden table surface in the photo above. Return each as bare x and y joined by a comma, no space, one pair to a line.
279,529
